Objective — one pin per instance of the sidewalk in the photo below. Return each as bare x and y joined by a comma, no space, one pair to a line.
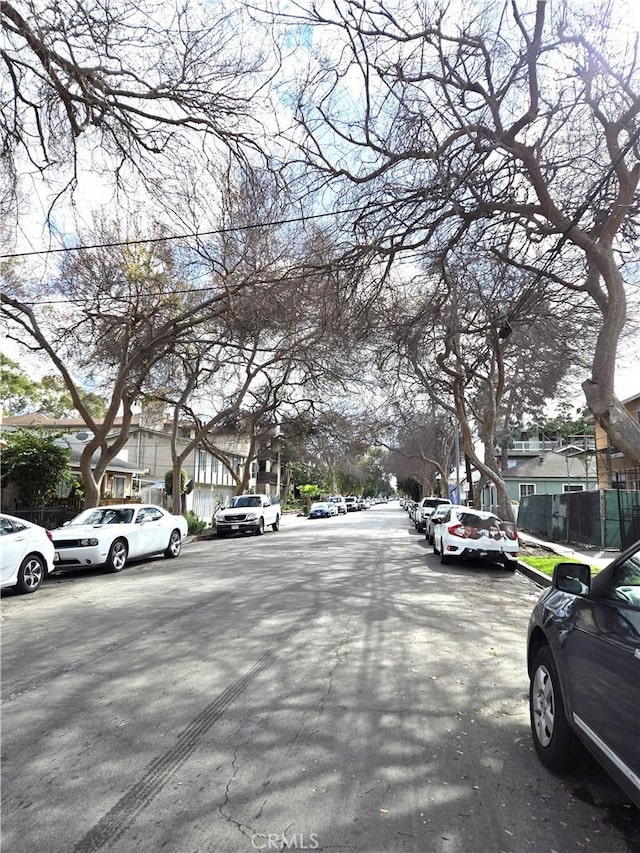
594,557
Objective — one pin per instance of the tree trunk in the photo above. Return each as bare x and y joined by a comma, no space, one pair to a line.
623,432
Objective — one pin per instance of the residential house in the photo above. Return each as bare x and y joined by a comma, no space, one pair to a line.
615,470
119,479
568,469
139,469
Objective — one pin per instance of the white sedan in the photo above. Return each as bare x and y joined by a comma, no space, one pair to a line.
26,554
467,532
112,535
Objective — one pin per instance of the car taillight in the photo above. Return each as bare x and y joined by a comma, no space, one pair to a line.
510,532
48,532
458,530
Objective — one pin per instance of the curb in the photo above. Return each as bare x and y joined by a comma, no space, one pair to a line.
533,574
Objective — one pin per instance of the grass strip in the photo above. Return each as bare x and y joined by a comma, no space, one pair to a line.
546,564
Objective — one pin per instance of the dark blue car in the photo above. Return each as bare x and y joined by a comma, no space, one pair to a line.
583,658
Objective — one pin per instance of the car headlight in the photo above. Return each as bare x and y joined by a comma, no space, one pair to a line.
251,516
85,542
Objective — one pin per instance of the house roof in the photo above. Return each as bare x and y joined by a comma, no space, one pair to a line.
116,465
553,465
38,419
631,399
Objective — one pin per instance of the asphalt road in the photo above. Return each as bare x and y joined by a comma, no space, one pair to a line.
328,687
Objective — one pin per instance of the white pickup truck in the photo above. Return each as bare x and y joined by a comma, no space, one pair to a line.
248,514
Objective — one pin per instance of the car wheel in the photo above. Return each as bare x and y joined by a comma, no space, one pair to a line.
435,547
175,544
221,534
557,746
31,573
260,529
276,524
117,559
512,565
444,560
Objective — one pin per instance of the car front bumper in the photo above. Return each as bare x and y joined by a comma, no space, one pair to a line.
79,556
238,526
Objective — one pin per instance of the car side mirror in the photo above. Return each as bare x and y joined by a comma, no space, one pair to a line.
572,577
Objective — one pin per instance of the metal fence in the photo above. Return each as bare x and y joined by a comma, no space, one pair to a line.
50,516
605,519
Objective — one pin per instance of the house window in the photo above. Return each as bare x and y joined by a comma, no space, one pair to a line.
117,486
527,489
202,465
573,487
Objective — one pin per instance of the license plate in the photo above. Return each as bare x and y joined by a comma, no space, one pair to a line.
235,527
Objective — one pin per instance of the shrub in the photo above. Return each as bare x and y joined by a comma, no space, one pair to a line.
196,525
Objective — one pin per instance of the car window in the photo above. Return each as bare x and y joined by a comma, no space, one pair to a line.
472,520
624,583
96,516
5,527
246,501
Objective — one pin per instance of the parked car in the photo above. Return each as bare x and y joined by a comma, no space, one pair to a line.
424,509
352,503
110,536
26,554
248,514
322,509
583,659
340,503
438,515
473,533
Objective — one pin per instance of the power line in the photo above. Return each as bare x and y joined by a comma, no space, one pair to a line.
169,237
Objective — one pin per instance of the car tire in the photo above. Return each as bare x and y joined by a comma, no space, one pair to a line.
31,573
175,545
435,547
557,746
512,565
260,529
276,524
221,534
444,560
117,559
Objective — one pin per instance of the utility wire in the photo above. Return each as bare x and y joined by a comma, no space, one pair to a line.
186,236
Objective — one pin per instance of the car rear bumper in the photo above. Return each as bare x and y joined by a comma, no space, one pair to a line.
484,554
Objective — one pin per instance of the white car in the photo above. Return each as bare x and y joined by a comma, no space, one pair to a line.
340,503
248,514
473,533
26,554
112,535
424,509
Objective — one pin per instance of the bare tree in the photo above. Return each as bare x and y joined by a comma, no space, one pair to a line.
520,130
109,321
128,83
453,346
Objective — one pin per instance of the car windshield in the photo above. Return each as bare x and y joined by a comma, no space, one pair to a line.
104,515
246,500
